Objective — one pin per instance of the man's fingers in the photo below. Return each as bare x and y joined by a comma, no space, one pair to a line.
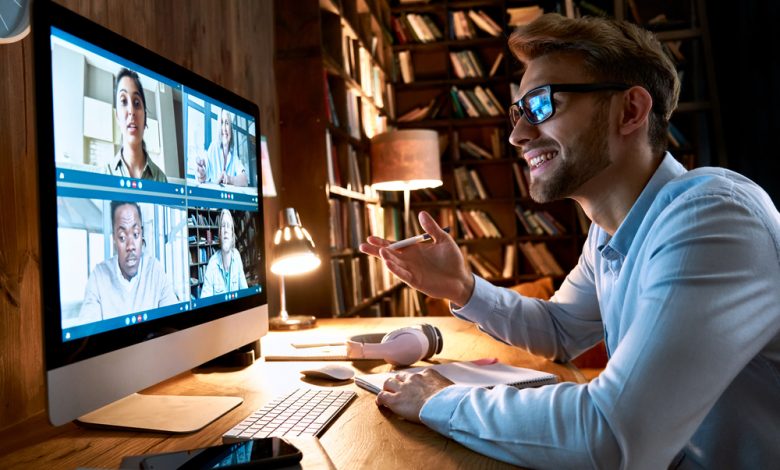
377,241
373,245
391,385
431,227
385,398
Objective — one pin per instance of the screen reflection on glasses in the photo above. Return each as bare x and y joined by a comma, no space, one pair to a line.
538,106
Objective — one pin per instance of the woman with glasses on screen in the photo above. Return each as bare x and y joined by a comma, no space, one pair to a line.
132,160
679,277
222,164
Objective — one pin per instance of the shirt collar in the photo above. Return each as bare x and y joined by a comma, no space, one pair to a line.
128,286
624,236
220,265
120,167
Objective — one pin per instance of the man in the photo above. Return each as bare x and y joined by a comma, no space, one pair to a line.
225,271
679,276
128,282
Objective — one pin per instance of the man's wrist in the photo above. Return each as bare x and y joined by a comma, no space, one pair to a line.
467,289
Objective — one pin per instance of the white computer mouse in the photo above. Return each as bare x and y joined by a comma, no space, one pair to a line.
330,372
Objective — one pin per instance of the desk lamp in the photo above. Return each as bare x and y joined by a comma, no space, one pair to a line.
404,160
293,254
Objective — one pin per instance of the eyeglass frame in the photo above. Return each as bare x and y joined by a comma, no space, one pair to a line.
555,88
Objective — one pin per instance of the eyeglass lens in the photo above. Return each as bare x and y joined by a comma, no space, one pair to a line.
536,105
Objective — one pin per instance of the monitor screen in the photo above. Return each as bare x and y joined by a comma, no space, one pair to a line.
151,217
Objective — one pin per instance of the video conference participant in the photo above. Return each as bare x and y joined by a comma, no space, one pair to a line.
225,271
132,160
222,164
129,281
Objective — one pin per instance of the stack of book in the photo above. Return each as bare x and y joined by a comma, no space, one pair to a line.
476,223
541,259
465,24
478,102
415,28
539,222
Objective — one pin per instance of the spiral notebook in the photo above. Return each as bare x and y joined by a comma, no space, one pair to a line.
474,374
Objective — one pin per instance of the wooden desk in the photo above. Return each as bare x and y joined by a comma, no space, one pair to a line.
364,436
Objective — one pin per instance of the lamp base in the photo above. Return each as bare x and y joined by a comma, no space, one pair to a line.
292,322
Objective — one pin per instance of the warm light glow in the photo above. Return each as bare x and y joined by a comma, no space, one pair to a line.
278,237
404,185
295,264
298,233
287,234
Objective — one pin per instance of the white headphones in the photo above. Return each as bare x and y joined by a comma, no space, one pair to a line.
401,347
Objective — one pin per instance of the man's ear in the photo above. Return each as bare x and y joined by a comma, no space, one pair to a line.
636,107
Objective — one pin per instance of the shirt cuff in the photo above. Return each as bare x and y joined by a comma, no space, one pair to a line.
437,412
480,303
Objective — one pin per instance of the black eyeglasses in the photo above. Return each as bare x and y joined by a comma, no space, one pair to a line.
537,105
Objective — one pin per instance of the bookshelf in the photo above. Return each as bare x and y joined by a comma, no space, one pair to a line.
203,241
460,83
333,72
696,132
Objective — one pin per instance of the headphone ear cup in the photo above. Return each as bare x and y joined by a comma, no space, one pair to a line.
435,340
405,346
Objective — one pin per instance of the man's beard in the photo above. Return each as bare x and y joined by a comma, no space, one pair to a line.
585,158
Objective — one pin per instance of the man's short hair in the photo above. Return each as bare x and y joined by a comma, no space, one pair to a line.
117,204
612,51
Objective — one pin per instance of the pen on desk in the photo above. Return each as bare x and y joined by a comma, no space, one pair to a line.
317,345
413,240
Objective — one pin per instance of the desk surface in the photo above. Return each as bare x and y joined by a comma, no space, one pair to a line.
364,436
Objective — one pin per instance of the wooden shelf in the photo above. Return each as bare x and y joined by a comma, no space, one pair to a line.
435,74
329,84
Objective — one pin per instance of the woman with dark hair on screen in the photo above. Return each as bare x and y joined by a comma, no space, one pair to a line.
132,160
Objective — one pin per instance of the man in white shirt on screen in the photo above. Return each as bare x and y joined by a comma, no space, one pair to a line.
129,281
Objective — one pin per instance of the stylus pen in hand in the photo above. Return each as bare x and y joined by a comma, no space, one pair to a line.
411,241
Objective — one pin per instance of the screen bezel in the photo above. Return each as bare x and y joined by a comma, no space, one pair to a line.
60,353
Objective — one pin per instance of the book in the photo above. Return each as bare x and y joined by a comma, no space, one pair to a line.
407,71
469,373
496,64
510,258
519,16
483,22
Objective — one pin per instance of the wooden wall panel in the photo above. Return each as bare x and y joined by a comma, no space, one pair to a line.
229,42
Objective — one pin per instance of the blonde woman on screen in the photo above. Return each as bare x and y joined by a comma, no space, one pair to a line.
225,271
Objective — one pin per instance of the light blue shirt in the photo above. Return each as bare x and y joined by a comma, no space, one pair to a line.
219,279
686,295
215,163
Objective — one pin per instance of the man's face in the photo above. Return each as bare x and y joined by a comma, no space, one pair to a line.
128,239
571,147
226,233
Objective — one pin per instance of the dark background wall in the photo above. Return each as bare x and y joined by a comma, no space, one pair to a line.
745,37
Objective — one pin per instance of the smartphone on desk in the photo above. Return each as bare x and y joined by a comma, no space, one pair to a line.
270,452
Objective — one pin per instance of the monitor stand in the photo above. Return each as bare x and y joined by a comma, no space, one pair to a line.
161,413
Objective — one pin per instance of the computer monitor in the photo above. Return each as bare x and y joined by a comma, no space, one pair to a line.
152,249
